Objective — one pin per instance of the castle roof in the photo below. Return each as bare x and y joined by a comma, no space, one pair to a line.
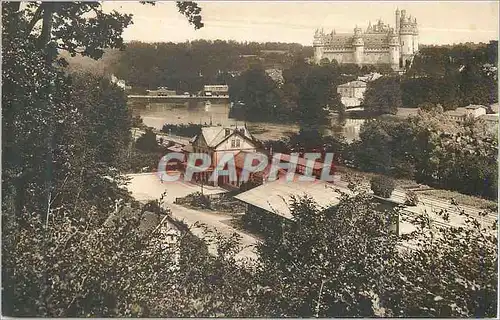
371,40
340,40
376,40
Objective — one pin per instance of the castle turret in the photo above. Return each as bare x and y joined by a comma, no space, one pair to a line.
406,32
318,44
398,20
359,46
415,36
394,50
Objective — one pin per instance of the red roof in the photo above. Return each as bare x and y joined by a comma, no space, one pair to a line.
239,159
318,165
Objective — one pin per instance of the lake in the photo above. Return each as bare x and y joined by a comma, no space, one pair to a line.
157,114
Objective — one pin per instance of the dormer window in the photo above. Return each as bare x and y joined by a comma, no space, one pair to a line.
235,143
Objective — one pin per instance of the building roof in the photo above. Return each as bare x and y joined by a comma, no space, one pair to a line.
494,107
215,135
175,148
353,84
239,159
188,148
275,74
318,165
376,40
474,107
239,162
350,102
340,40
275,197
149,220
370,77
355,109
458,112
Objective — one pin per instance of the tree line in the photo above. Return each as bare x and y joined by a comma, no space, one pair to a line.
453,77
307,96
429,148
190,65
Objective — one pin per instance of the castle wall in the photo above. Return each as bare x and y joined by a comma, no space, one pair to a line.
373,57
318,54
415,43
376,58
341,57
406,44
378,45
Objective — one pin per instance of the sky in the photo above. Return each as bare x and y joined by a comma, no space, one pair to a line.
295,21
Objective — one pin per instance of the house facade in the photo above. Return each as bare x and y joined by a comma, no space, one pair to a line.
351,93
217,142
471,111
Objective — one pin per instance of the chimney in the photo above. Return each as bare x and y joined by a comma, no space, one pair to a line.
227,132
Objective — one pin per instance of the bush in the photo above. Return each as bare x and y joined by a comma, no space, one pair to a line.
411,198
185,130
147,142
195,200
382,186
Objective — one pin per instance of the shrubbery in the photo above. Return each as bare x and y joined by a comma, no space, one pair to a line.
411,198
185,130
382,186
196,200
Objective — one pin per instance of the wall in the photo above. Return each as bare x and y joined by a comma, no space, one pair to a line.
341,57
376,57
226,147
382,57
415,43
318,54
475,112
406,44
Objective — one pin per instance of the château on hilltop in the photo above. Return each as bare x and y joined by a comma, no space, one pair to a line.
379,44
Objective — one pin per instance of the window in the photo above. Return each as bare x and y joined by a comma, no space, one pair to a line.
238,143
233,143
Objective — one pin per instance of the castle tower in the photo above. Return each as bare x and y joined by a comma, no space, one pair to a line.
406,35
398,20
394,50
415,36
318,44
359,46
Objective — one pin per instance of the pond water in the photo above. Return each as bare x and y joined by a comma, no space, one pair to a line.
157,114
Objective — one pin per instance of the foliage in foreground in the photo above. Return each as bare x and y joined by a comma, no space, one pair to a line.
60,258
344,261
382,186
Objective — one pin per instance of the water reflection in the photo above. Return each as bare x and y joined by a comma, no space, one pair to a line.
157,114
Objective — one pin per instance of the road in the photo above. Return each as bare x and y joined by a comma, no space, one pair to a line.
147,186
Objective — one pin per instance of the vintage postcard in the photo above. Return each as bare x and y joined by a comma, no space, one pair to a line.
250,159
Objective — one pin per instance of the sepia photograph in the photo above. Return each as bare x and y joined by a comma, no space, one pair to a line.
270,159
